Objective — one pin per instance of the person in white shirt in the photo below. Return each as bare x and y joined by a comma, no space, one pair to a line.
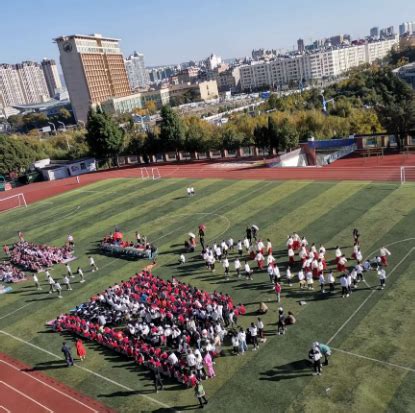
353,276
384,253
81,275
248,271
322,281
51,285
237,266
192,190
58,289
242,341
290,242
382,277
331,280
359,272
240,247
253,330
189,191
173,359
182,259
211,262
69,271
225,263
301,279
289,276
235,344
270,271
345,286
230,244
341,263
260,327
47,274
260,246
66,282
277,274
270,259
92,264
359,256
310,281
259,258
191,359
338,253
218,253
269,247
246,243
36,281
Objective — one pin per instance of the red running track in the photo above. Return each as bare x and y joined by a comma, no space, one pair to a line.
386,169
22,390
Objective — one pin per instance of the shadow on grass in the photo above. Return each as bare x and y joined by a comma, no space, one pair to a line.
47,365
177,408
299,368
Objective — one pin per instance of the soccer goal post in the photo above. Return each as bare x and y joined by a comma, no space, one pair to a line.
407,174
144,173
11,202
155,173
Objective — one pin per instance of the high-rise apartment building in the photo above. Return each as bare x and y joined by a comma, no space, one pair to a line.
22,83
323,63
387,32
136,71
10,88
53,81
94,70
407,28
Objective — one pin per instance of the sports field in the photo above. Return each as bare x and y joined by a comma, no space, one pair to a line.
372,368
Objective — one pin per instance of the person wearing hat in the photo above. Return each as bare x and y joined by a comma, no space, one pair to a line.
315,356
200,394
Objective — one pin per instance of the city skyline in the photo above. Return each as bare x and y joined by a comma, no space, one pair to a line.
171,35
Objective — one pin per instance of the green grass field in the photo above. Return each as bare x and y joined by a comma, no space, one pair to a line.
375,369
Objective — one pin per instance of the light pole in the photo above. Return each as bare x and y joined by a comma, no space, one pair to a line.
54,127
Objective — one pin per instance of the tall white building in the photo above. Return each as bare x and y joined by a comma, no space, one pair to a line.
22,83
330,63
10,88
136,71
407,27
53,81
33,82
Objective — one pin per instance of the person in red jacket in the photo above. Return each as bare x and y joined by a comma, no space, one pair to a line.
277,289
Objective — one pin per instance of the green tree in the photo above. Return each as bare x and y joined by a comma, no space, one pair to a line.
273,135
289,136
15,156
171,130
104,137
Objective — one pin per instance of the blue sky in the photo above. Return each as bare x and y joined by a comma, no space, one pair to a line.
180,30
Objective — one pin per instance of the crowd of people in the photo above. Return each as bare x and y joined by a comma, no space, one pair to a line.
171,327
10,274
139,248
35,257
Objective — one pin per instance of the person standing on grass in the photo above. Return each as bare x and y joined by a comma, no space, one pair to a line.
237,266
301,278
182,259
356,235
157,380
225,263
58,289
325,351
69,271
253,330
80,349
92,264
277,289
67,282
289,276
260,327
81,275
248,271
315,356
47,274
36,281
384,253
242,341
239,247
51,282
259,258
322,281
291,254
331,280
200,394
382,277
281,322
249,234
209,365
270,271
345,286
67,353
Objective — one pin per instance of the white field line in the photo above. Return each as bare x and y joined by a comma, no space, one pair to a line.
6,410
26,396
85,369
15,311
367,298
375,360
71,212
47,385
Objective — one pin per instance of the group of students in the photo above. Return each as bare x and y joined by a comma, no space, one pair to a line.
34,257
11,274
158,315
55,286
